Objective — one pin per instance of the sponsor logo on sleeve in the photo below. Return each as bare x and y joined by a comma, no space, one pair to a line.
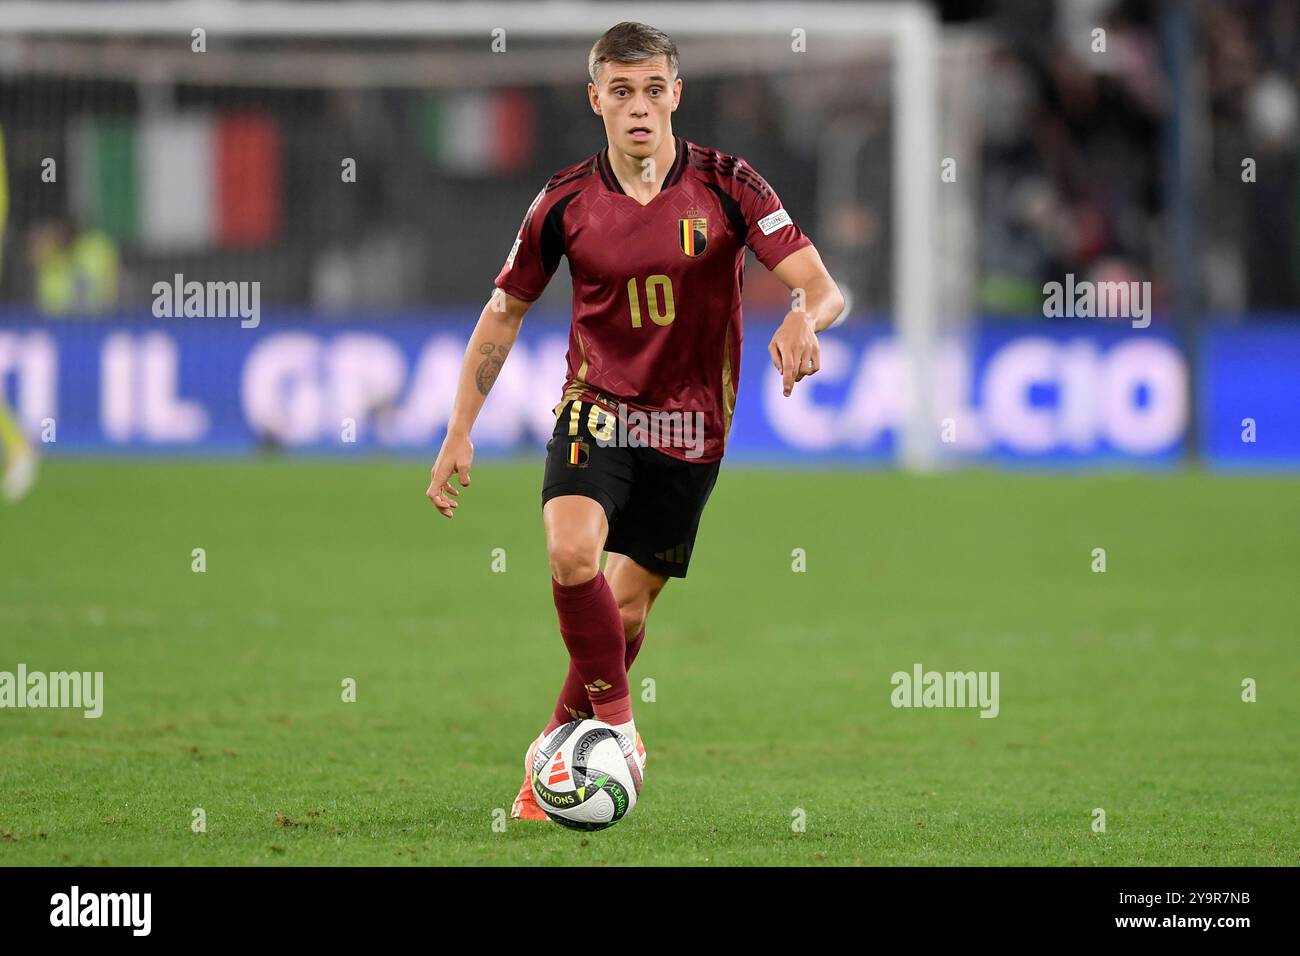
771,223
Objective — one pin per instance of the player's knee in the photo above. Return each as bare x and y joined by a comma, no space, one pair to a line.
574,562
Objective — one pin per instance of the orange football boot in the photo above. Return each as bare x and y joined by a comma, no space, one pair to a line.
526,807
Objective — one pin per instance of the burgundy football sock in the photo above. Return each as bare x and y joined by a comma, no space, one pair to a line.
573,703
593,632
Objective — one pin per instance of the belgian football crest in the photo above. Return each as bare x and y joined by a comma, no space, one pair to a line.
693,235
579,453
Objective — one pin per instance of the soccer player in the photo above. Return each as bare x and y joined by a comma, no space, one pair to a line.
18,456
20,462
655,230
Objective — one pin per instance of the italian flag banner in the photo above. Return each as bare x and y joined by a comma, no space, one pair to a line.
479,133
179,182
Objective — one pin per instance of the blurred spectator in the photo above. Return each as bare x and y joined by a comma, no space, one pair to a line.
75,273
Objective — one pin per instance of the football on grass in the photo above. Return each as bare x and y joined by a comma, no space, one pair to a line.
585,775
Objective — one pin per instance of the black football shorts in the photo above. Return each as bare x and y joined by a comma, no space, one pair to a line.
652,500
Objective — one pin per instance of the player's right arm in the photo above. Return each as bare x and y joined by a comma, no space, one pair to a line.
494,336
529,267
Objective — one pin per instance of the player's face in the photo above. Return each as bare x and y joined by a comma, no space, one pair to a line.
636,101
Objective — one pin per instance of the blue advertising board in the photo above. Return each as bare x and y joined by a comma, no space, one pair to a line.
1059,393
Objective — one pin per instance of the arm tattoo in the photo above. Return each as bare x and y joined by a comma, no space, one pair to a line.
494,357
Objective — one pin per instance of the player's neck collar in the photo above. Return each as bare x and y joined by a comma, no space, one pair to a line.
674,171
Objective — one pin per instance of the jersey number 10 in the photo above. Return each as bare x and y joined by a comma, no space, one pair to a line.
655,286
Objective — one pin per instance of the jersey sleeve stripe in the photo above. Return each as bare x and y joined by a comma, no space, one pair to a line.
586,169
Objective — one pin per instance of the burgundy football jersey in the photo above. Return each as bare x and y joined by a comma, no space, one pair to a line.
656,288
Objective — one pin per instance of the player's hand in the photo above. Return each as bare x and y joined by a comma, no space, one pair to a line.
455,457
795,350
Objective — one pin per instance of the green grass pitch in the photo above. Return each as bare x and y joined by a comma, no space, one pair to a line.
1119,690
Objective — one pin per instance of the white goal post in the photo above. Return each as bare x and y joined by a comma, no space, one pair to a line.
910,29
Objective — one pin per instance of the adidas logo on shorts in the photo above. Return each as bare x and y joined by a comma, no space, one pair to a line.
676,555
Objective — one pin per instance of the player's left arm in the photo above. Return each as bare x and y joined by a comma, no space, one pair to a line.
817,303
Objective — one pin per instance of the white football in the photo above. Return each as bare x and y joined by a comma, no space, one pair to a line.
585,775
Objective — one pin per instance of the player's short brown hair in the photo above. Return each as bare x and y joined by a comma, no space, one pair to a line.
631,42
